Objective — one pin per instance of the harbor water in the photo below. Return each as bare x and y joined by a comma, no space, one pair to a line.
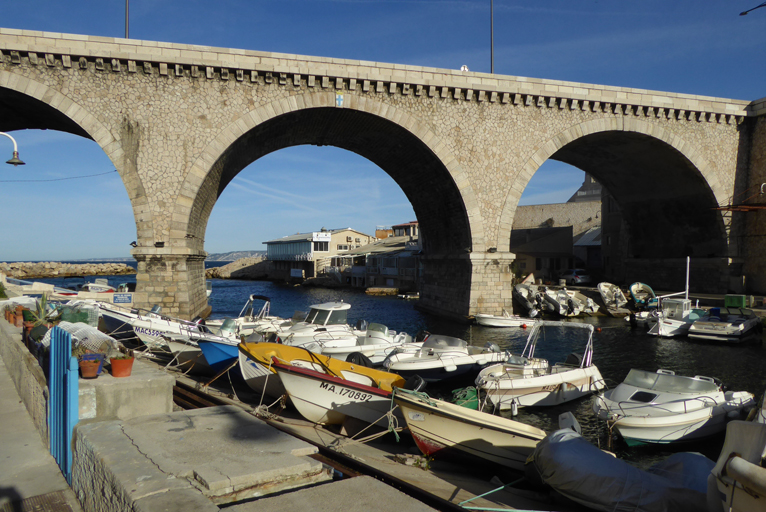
617,349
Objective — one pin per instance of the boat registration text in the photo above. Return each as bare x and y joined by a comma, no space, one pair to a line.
349,393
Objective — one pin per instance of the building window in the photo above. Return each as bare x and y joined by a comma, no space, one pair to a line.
358,240
321,246
538,264
342,247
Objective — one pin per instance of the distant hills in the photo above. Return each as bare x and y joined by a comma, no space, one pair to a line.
222,256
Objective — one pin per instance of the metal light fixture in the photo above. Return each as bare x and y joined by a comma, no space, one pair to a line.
744,13
15,160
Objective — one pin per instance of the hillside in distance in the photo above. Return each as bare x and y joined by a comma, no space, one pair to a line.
221,256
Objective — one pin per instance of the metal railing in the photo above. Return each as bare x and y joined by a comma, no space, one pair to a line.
63,388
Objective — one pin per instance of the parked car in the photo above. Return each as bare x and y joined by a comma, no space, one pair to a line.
575,276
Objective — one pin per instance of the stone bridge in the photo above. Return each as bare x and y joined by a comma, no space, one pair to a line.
179,122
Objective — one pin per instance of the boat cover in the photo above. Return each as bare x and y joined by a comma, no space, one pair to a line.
582,472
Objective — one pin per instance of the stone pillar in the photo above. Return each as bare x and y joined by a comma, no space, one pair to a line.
755,221
459,286
176,282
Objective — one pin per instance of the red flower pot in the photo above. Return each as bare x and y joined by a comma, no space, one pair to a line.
121,367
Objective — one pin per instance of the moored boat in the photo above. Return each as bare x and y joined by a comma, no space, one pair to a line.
612,296
675,317
663,407
504,320
728,325
528,296
562,303
529,381
252,316
643,296
446,430
444,358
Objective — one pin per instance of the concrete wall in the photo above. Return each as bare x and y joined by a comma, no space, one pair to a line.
27,376
581,216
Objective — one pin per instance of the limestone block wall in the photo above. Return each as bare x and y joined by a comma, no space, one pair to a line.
754,267
492,283
581,216
27,376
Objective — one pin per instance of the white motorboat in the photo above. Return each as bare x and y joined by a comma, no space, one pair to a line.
587,305
252,317
646,318
376,342
324,326
149,327
675,317
643,296
446,430
612,296
504,320
528,296
528,381
663,407
444,358
729,325
561,303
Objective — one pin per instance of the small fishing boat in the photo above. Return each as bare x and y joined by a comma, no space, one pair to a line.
255,314
562,303
446,430
663,407
504,320
529,381
612,296
643,296
444,358
728,325
675,317
324,326
375,342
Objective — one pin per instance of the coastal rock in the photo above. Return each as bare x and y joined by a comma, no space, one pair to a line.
45,269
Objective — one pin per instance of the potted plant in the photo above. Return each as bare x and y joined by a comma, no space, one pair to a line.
122,365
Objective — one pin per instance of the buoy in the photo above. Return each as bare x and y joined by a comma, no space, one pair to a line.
523,326
598,329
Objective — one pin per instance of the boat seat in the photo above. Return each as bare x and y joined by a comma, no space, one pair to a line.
520,360
415,383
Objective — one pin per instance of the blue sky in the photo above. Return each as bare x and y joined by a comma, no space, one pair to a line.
694,47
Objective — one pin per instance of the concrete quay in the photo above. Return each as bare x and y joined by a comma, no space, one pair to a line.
179,460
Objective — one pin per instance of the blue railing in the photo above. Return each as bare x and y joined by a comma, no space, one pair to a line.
63,400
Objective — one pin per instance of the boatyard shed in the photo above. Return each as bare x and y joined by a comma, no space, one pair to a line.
304,255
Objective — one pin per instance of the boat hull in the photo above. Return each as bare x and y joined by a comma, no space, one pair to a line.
259,378
219,356
502,321
328,400
188,357
445,430
560,386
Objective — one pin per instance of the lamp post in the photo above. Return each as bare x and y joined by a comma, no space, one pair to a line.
14,161
127,9
744,13
492,36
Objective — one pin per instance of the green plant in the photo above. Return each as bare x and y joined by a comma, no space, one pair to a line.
2,292
123,355
40,313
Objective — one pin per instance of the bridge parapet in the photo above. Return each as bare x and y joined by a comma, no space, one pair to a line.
116,55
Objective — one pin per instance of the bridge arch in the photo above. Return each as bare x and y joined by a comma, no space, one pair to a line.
665,188
395,140
29,104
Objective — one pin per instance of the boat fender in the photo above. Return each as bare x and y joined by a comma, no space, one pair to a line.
450,368
514,408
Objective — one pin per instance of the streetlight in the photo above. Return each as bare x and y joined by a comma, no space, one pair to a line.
744,13
15,160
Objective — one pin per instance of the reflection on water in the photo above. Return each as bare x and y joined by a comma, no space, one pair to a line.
617,349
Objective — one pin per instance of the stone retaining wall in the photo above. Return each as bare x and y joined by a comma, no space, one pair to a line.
27,376
40,269
244,268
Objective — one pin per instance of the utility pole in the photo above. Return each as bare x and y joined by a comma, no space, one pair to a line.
491,36
126,18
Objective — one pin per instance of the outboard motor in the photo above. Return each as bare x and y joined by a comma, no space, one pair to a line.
361,325
491,347
255,337
359,359
199,320
570,306
415,383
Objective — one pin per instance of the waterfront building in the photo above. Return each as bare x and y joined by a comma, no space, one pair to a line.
305,255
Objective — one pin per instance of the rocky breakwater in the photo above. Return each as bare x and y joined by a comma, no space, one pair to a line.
37,270
244,268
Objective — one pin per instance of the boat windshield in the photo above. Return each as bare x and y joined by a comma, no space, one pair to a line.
441,342
374,327
327,316
662,382
228,325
